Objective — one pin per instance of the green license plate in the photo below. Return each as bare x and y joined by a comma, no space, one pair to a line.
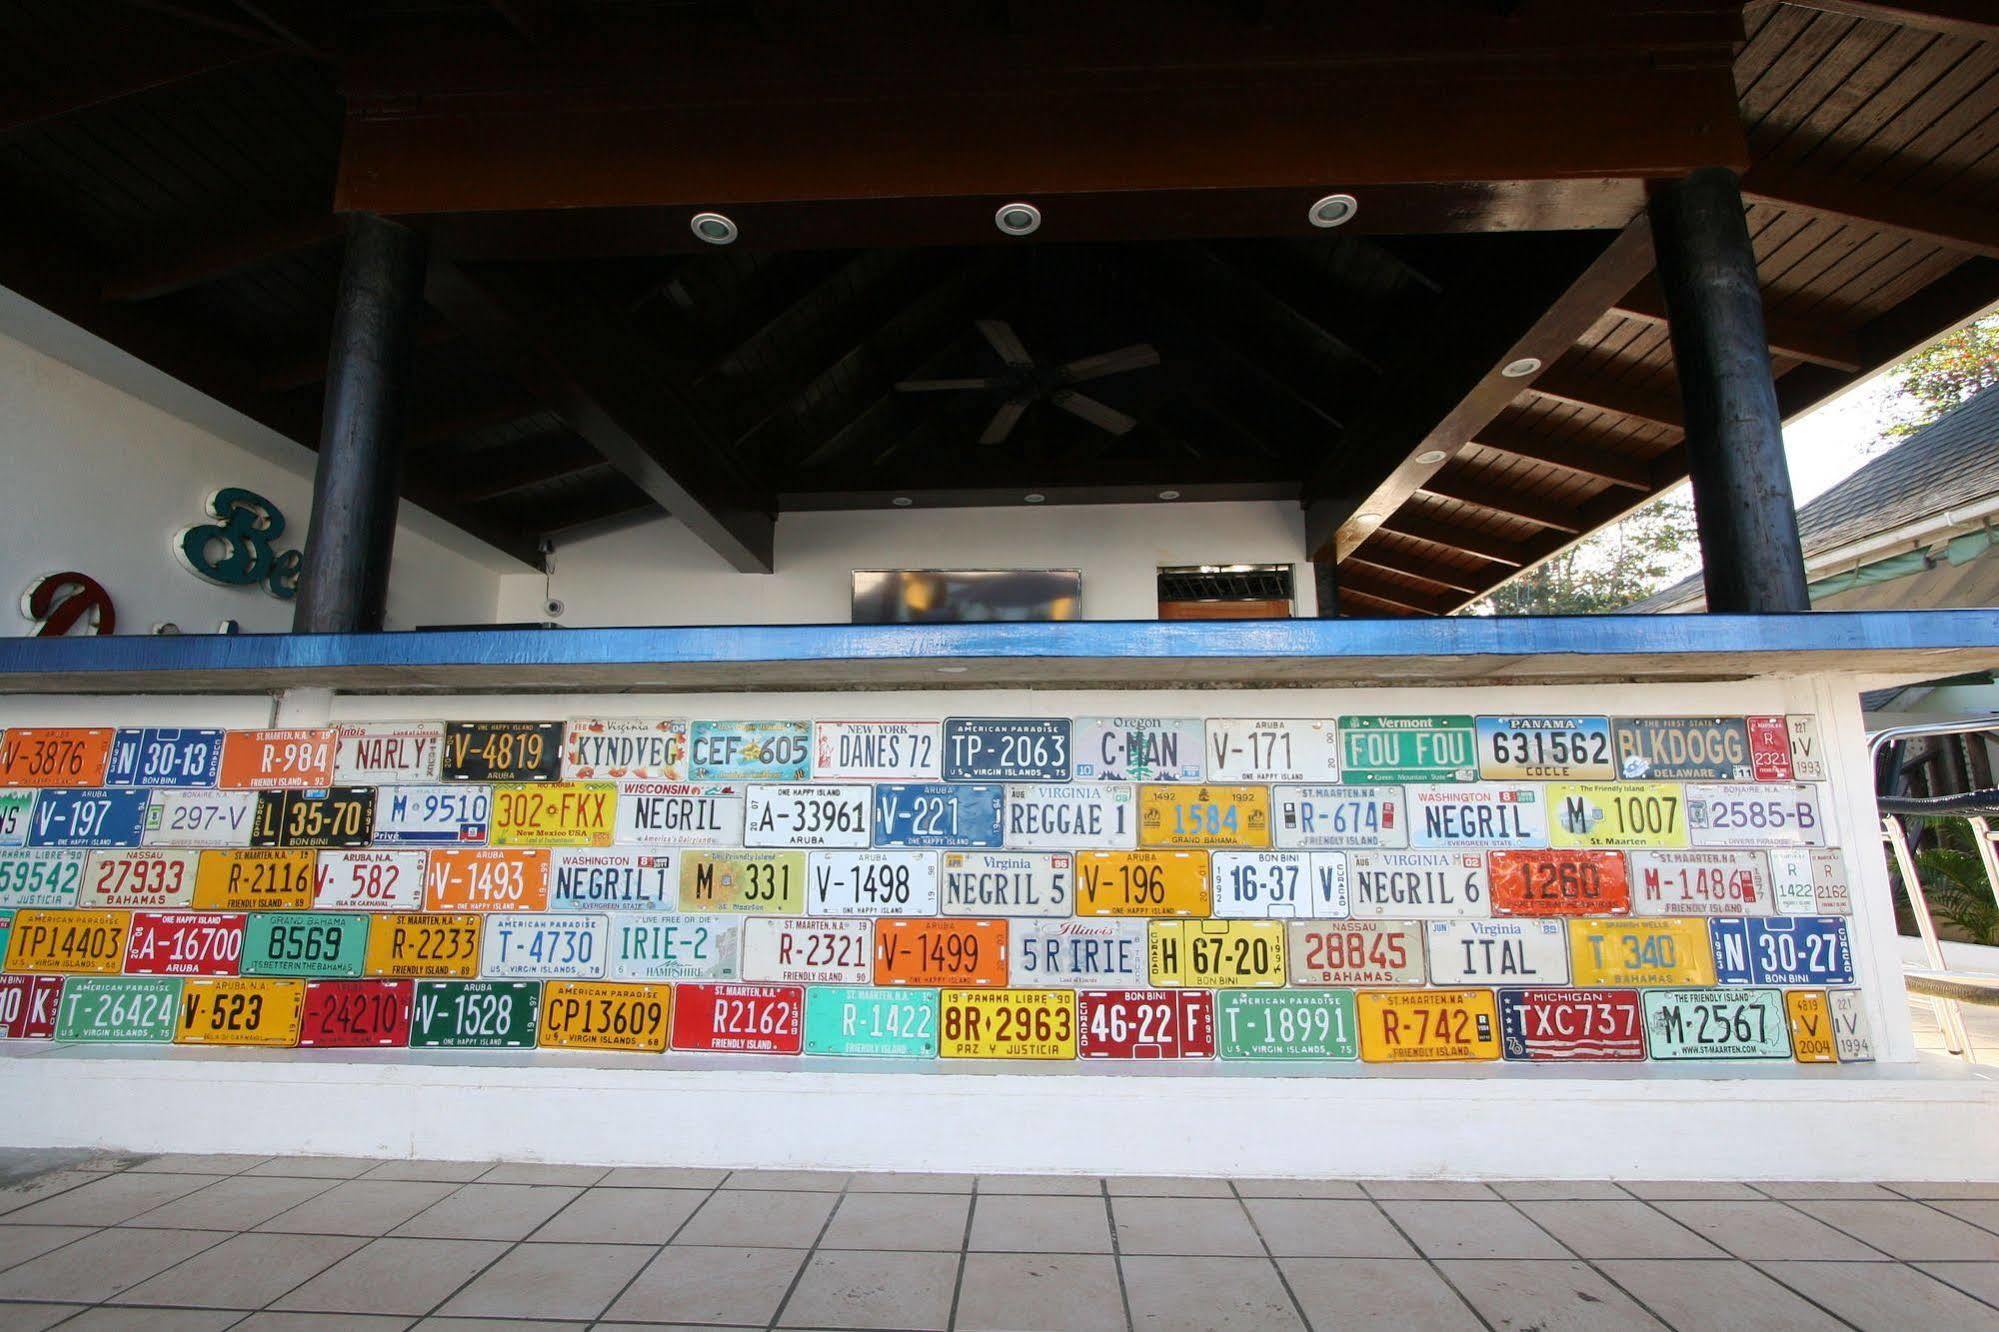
1286,1024
474,1015
118,1008
1717,1024
1408,749
864,1020
305,943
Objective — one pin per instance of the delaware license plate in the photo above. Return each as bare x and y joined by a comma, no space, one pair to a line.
415,944
1008,883
474,1015
120,1009
1216,954
28,1007
14,810
1286,1024
1769,815
1314,818
817,815
1142,883
339,816
598,1015
1137,749
183,817
679,814
1201,816
1415,1026
1810,1017
55,755
1049,817
99,816
1145,1024
938,814
1782,950
1717,1024
262,760
139,878
1254,750
185,943
432,815
807,951
1809,881
1085,954
623,749
739,1019
1006,749
583,880
873,883
764,881
1807,755
1700,883
1417,885
754,751
1407,749
44,878
878,751
356,1015
1477,818
667,946
254,881
1545,749
486,879
165,756
1618,814
387,753
1559,883
1355,952
369,881
69,942
1257,885
324,944
1498,952
1617,953
863,1020
941,952
554,814
240,1012
1684,749
501,751
1852,1039
1560,1026
1769,751
1008,1024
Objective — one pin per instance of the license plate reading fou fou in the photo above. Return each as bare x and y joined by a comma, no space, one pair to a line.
254,880
1716,1024
41,878
1770,814
1137,749
69,942
819,814
1564,1025
1617,814
387,753
1203,816
1417,885
1145,1024
939,814
554,814
771,882
1410,1026
356,1014
165,756
474,1015
1497,952
1700,883
525,945
878,751
437,815
418,944
941,952
325,944
1087,954
1559,883
1008,883
1216,954
867,1021
600,1015
589,880
1142,883
1355,952
234,1011
1310,818
739,1019
264,760
501,751
1006,749
749,751
486,879
200,818
1713,749
339,816
98,816
139,878
623,749
1258,750
807,950
1487,816
1008,1024
1407,749
55,755
1782,950
1066,816
1260,885
872,883
1640,952
1544,749
185,943
369,881
118,1009
673,814
1286,1024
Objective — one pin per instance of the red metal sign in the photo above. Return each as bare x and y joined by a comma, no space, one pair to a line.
1146,1024
739,1019
1770,749
1559,883
349,1014
1541,1025
185,943
28,1006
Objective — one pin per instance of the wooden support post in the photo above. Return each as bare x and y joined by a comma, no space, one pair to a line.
1735,444
1326,580
344,584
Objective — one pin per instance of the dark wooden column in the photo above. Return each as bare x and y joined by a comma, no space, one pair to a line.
1735,444
1326,578
343,586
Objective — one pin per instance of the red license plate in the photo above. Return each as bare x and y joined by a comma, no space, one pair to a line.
28,1006
1544,1025
1770,749
185,943
341,1015
1146,1024
739,1019
1559,883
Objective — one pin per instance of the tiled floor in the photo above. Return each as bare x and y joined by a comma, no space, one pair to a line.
314,1242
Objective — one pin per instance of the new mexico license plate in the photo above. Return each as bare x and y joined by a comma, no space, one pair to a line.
185,943
554,814
44,878
1142,883
1217,954
254,881
56,756
1312,818
1145,1024
1717,1024
305,943
505,751
1406,1026
873,883
486,879
474,1015
599,1015
771,882
337,816
1408,749
353,1015
1571,1025
739,1019
1356,952
1617,814
863,1020
1559,883
1008,1024
68,942
414,944
1137,749
240,1012
1286,1024
938,814
183,817
1202,816
941,952
124,1009
1544,749
1638,952
660,946
165,756
1254,750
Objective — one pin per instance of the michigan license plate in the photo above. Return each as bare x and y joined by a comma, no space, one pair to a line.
121,1009
1142,883
1137,749
772,882
739,1019
1545,749
354,1015
1559,883
387,753
1810,1016
254,881
339,816
752,751
1257,750
415,944
878,751
1313,818
598,1015
1414,1026
1782,950
1773,814
474,1015
369,881
223,1011
816,815
1355,952
55,755
1809,881
1203,816
43,878
260,760
872,883
1700,883
1008,1024
1257,885
1006,749
672,814
1717,1024
183,817
1697,749
99,816
139,878
938,814
1407,749
941,952
28,1007
69,942
583,880
1638,952
554,814
668,946
1417,885
864,1020
1216,954
1145,1024
165,756
1559,1026
501,751
623,749
1286,1024
1498,952
185,943
1008,883
486,879
325,944
1490,816
1618,814
432,815
1084,954
807,951
1056,817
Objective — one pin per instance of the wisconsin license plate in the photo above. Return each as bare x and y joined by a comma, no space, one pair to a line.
1216,954
1700,883
1256,885
369,881
1560,1026
1545,749
623,749
416,944
100,816
1717,1024
501,751
817,815
1006,749
28,1007
941,952
165,756
772,882
387,753
751,751
679,814
1417,885
872,883
1201,816
1355,952
200,818
1711,749
599,1015
356,1015
1137,749
938,814
55,755
1809,881
69,942
432,815
119,1009
1008,883
474,1015
1286,1024
1408,749
139,878
1047,817
667,946
43,878
1142,883
339,816
1773,814
878,751
1618,814
1008,1024
1559,883
739,1019
254,881
863,1020
1257,750
328,944
1328,817
583,880
1809,1014
1769,750
1617,953
1782,950
1415,1026
554,814
1498,952
1145,1024
486,879
1492,816
259,760
185,943
1085,954
240,1012
808,951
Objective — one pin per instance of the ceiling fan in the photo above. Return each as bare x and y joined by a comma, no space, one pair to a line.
1025,382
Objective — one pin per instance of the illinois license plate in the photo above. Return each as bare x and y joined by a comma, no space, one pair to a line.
1257,885
1417,885
1616,953
354,1015
43,878
387,753
432,815
816,815
1200,816
183,817
258,760
1809,881
254,881
1807,755
339,816
1286,1024
739,1019
679,814
1853,1040
1559,883
1773,814
1407,749
1056,817
416,944
1782,950
1700,883
1491,816
1259,750
1085,954
1618,814
474,1015
369,881
165,756
1710,749
1216,954
1769,750
584,880
139,878
185,943
28,1007
1545,749
554,814
99,816
1006,749
1137,749
1558,1026
1810,1016
1717,1024
69,942
1142,883
599,1015
463,878
1145,1024
1498,952
1326,817
330,944
1008,883
223,1011
807,950
941,952
1008,1024
872,883
662,945
119,1009
750,751
772,882
14,810
1355,952
55,755
1415,1026
501,751
878,751
863,1020
938,814
623,749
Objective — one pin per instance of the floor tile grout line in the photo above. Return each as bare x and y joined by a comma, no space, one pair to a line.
1117,1252
799,1276
1789,1203
1965,1220
1735,1257
1436,1270
658,1249
964,1255
1946,1264
88,1232
1591,1264
1304,1320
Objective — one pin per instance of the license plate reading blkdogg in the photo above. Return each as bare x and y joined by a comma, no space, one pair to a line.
623,749
387,753
750,751
597,1015
1286,1024
817,815
198,817
1088,954
340,816
1498,952
1417,885
863,1020
45,878
762,881
1544,748
326,944
807,951
739,1019
1008,1024
533,945
123,1009
679,814
878,751
346,1015
1697,749
165,756
1771,814
667,946
97,816
1700,883
1559,883
941,952
70,942
938,814
432,815
416,944
369,881
1217,954
501,751
554,814
1200,816
1137,749
1142,883
1403,1026
185,943
1717,1024
587,880
1145,1024
233,1011
1253,750
1008,883
474,1015
55,756
1408,749
872,883
1312,818
1064,817
1782,950
1006,749
1356,952
1563,1025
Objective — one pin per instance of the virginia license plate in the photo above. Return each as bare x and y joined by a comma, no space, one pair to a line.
1006,749
474,1015
1257,750
325,944
739,1019
1615,953
1145,1024
1216,954
1049,817
1008,1024
772,882
807,950
1142,883
1085,954
1498,952
14,810
878,751
1810,1017
941,952
1413,1026
466,878
1769,750
1559,883
1311,818
254,880
1286,1024
1618,814
432,815
339,816
55,755
1259,885
165,756
387,753
1717,1024
69,942
554,814
1698,749
584,880
43,878
662,946
623,749
863,1020
1852,1038
1807,755
1008,883
1556,1026
679,814
816,815
183,817
185,943
501,751
139,878
1417,885
872,883
259,760
751,751
99,816
231,1011
1355,952
353,1015
28,1007
120,1009
1773,814
1809,881
369,881
1202,816
1545,749
938,814
599,1015
1491,816
1782,950
1700,883
1137,749
417,944
1407,749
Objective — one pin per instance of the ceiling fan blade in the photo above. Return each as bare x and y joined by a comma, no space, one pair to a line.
1096,413
1003,422
932,385
1001,335
1111,363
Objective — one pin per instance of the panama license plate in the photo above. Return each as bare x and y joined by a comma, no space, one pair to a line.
1216,954
339,816
872,883
254,880
464,878
1700,883
119,1009
99,816
1559,883
1782,950
739,1019
586,880
418,944
750,751
1559,1026
1058,817
668,946
387,753
325,944
1084,954
1773,814
1006,749
369,881
1769,749
623,749
878,751
939,814
15,807
199,817
474,1015
1137,749
356,1014
235,1011
1311,818
69,942
1809,881
185,943
1717,1024
139,878
1697,749
28,1007
1145,1024
1408,749
501,751
941,952
1809,1014
554,814
436,815
1272,750
1491,816
599,1015
673,814
1545,749
1355,952
1417,885
165,756
43,878
1640,952
1204,816
1008,1024
1142,883
822,814
1286,1024
261,760
1498,952
55,755
1008,883
868,1021
1416,1026
807,951
772,882
1254,885
1617,814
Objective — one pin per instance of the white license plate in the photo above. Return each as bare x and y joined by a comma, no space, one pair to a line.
673,946
679,814
1809,881
1853,1039
1136,749
871,883
877,751
1765,814
453,814
1417,885
620,749
45,878
1008,883
387,753
1255,885
585,879
1701,883
151,879
1313,818
1087,954
530,945
181,817
1255,750
814,815
809,951
1807,754
369,880
1491,816
1052,817
1498,952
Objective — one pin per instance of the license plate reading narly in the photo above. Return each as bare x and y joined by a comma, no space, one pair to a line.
809,951
938,814
1008,1024
486,879
55,756
1717,1024
554,814
1770,814
1412,1026
165,756
262,760
121,1009
1617,814
474,1015
822,814
1408,749
1356,952
185,943
1712,749
941,952
1286,1024
1565,1025
1310,818
501,751
436,815
254,880
739,1019
339,816
1559,883
69,942
1203,816
1217,954
1545,749
1137,749
1008,883
599,1015
771,882
1142,883
387,753
1615,953
369,881
532,945
872,883
223,1011
1145,1024
416,944
1417,885
668,946
1006,749
872,1022
1700,883
1254,750
352,1015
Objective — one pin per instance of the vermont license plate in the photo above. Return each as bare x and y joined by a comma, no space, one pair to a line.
1491,816
369,881
1286,1024
872,883
339,816
878,751
1617,953
668,946
1697,749
1555,1026
1417,885
599,1015
486,879
1145,1024
1545,749
751,751
1408,749
1008,883
941,952
1258,885
1498,952
1809,881
1782,950
554,814
326,944
474,1015
1202,816
55,755
1216,954
69,942
1700,883
416,944
1413,1026
1085,954
183,817
1056,817
259,760
1772,814
1355,952
623,749
584,880
1256,750
1327,817
432,815
938,814
185,943
739,1019
354,1015
28,1007
679,814
1137,749
226,1011
863,1020
254,881
99,816
1617,814
1717,1024
501,751
807,950
1559,883
772,882
1810,1017
1006,749
1769,751
1008,1024
165,756
1142,883
387,753
139,878
818,815
119,1009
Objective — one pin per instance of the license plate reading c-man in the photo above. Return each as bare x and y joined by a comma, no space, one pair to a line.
125,1009
233,1011
1407,749
474,1015
68,942
1685,749
599,1015
260,760
185,943
350,1015
1006,749
863,1020
938,814
1008,1024
96,816
739,1019
1545,749
1405,1026
1145,1024
1559,883
1286,1024
339,816
415,944
1252,750
1234,817
501,751
1217,954
1564,1025
750,751
55,756
1717,1024
165,756
1137,749
326,944
941,952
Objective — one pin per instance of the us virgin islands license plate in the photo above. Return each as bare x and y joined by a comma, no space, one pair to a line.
938,814
1327,817
1008,1024
1286,1024
532,945
866,1021
598,1015
1717,1024
1413,1026
305,943
118,1009
872,883
1145,1024
1006,749
69,942
225,1011
432,815
165,756
1137,749
474,1015
1253,750
1565,1025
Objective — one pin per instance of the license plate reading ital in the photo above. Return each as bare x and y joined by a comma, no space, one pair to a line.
224,1011
501,751
1008,1024
599,1015
1498,952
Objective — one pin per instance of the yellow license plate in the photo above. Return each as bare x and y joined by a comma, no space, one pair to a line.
1810,1014
1412,1026
1226,816
408,943
73,943
1217,954
1640,952
229,1011
772,881
1142,883
1007,1024
555,814
1617,814
600,1015
258,880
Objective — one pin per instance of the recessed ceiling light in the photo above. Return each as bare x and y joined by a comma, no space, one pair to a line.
1428,456
1018,219
1169,494
902,501
952,670
1370,519
713,228
1334,210
1035,498
1520,369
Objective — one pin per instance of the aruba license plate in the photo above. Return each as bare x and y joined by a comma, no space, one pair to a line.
1142,883
1286,1024
417,944
1772,814
1053,817
1717,1024
1356,952
1407,749
69,942
807,951
119,1009
185,943
1415,1026
872,883
1782,950
501,751
165,756
1137,749
55,755
139,878
739,1019
1216,954
339,816
599,1015
1492,816
1008,1024
865,1021
1008,883
196,817
1618,814
667,946
878,751
474,1015
1700,883
1498,952
1237,817
750,751
1417,885
259,760
1640,952
461,878
1312,818
623,749
1545,749
432,815
1559,883
1006,749
1085,954
554,814
234,1011
1145,1024
941,952
324,944
356,1015
1559,1026
1256,750
387,753
772,882
28,1007
1257,885
584,880
817,815
369,881
1809,881
1710,749
938,814
255,880
98,816
43,878
674,814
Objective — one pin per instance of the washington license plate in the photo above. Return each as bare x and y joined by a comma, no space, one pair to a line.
226,1011
533,945
864,1020
1054,817
1700,883
501,751
486,879
119,1009
1145,1024
878,751
474,1015
598,1015
254,881
772,882
667,946
1202,816
432,815
185,943
1311,818
55,755
1085,954
1563,1025
817,815
808,951
184,817
44,878
99,816
69,942
351,1015
1008,883
941,952
584,880
1698,749
339,816
1216,954
1414,1026
387,753
1782,950
1809,881
1618,814
165,756
739,1019
1717,1024
1417,885
417,944
623,749
1137,749
1498,952
259,760
554,814
1257,750
750,751
369,881
1616,953
1545,749
139,878
1408,749
938,814
872,883
1772,814
1286,1024
1008,1024
679,814
1559,883
1355,952
28,1007
326,944
1006,749
1491,816
1142,883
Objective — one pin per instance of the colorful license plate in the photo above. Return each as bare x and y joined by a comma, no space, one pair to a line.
1498,952
667,946
1084,954
501,751
816,815
584,880
1853,1039
863,1020
623,749
1618,814
1008,1024
185,943
1216,954
339,816
69,942
1559,883
1414,1026
1310,818
1810,1016
325,944
28,1007
369,880
1201,816
356,1015
183,817
474,1015
751,751
478,878
739,1019
1700,883
437,815
1355,952
872,883
1006,749
1261,885
1054,817
139,878
1773,814
554,814
1286,1024
941,952
598,1015
1809,881
1782,950
1142,883
55,755
1545,749
1491,816
99,816
1807,755
1259,750
1417,885
120,1009
1680,749
1617,953
877,751
387,753
772,882
1559,1026
938,814
1770,752
1407,749
1717,1024
808,950
15,807
416,944
254,881
673,814
165,756
261,760
1145,1024
233,1011
1008,883
1137,749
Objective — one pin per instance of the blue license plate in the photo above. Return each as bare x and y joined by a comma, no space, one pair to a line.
750,751
1782,950
937,814
108,816
164,756
1006,749
432,815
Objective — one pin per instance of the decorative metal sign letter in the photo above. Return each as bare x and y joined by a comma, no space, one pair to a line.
237,550
57,601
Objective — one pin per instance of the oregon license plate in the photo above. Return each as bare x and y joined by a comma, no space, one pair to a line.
818,814
671,814
28,1007
1417,885
1145,1024
256,880
436,815
1717,1024
938,814
1769,751
1490,816
185,943
878,751
354,1015
554,814
1772,814
1286,1024
474,1015
1260,750
623,749
165,756
193,817
1617,814
600,1015
1259,885
1142,883
327,944
1782,950
1615,953
585,880
139,878
122,1009
417,944
55,755
1085,954
1216,954
1413,1026
1008,1024
15,807
98,816
668,946
1498,952
739,1019
234,1011
1008,883
1056,817
1311,818
1555,1026
806,950
1700,883
339,816
941,952
1810,1016
464,878
1710,749
1355,952
1137,749
1203,816
43,878
1808,881
1559,883
369,881
865,1020
259,760
69,942
772,882
750,751
387,753
872,883
1545,749
524,945
501,751
1006,749
1408,749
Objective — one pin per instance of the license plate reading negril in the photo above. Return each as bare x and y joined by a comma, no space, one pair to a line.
1417,885
582,879
1488,816
670,814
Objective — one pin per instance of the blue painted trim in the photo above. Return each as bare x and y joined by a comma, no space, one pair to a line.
1588,636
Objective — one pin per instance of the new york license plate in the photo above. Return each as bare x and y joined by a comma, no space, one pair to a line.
68,942
1063,817
1355,952
1142,883
98,816
1258,750
1408,749
938,814
432,815
474,1015
324,944
1008,883
668,946
486,879
165,756
119,1009
865,1020
42,878
1311,818
1417,885
28,1007
501,751
1545,749
1491,816
1414,1026
1216,954
1145,1024
1782,950
139,878
750,751
772,882
1700,883
1137,749
1498,952
182,817
1008,1024
623,749
55,755
821,814
554,814
387,753
1771,814
600,1015
1618,814
1710,749
1286,1024
1006,749
878,751
1717,1024
585,880
369,881
234,1011
185,943
941,952
739,1019
807,950
872,883
1555,1026
1203,816
1640,952
1254,885
1559,883
339,816
671,814
1085,954
260,760
352,1015
254,880
416,944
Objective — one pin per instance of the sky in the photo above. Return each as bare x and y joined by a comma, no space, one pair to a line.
1829,444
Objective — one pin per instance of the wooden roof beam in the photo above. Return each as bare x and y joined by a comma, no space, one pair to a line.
1567,381
1529,508
1969,291
1394,594
217,259
1970,229
1794,338
1485,545
1587,455
491,473
1373,555
125,69
1975,19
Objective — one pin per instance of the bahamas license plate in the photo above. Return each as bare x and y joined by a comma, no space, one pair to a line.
1142,883
1201,816
69,942
1559,883
183,817
583,880
1616,953
474,1015
1717,1024
339,816
14,810
1311,818
1006,749
1008,883
1008,1024
387,753
750,751
598,1015
1414,1026
28,1007
225,1011
554,814
679,814
99,816
369,881
1258,885
121,1009
165,756
1810,1017
739,1019
1498,952
55,755
1216,954
260,760
185,943
1145,1024
872,883
1618,814
1697,749
807,951
1286,1024
1084,954
1355,952
1545,749
1257,750
1782,950
417,944
1558,1026
326,944
772,882
1809,881
1773,814
623,749
1137,749
1769,750
1491,816
938,814
863,1020
464,878
1408,749
1700,883
878,751
254,881
1417,885
432,815
501,751
354,1015
44,878
941,952
139,878
667,946
1056,817
815,815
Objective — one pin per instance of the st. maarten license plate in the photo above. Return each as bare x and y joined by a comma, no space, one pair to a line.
1700,883
739,1019
1717,1024
772,882
1312,818
1414,1026
867,1021
415,944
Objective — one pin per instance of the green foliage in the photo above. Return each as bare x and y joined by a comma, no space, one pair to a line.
1608,570
1937,379
1954,881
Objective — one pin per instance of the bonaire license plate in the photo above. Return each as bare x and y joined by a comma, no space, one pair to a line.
1498,952
1137,749
584,880
28,1007
1254,885
808,951
772,882
14,810
938,814
554,814
1257,750
139,878
1286,1024
1772,814
1640,952
1145,1024
254,881
1355,952
98,816
1142,883
820,814
55,755
751,751
1477,818
474,1015
1810,1017
501,751
119,1009
182,817
673,814
667,946
69,942
327,944
1545,749
878,751
1086,954
259,760
1700,883
1571,1025
1412,1026
1712,749
387,753
1808,881
1311,818
623,749
863,1020
1408,749
1617,814
339,816
416,944
486,879
1216,954
600,1015
1006,749
1058,817
1417,885
739,1019
353,1015
432,815
1008,1024
941,952
1717,1024
44,878
1202,816
225,1011
185,943
165,756
1559,883
872,883
1008,883
1782,950
369,880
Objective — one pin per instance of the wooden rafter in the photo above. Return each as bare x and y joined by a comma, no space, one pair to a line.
537,460
1568,381
1591,455
222,256
1796,339
1529,508
1485,545
1395,594
1975,19
1966,228
127,69
1374,554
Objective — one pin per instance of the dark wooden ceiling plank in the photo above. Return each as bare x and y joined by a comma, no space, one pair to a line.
128,68
223,256
1455,537
1465,489
1372,554
1003,482
1589,455
1936,221
1368,585
1569,381
1955,18
490,473
1814,342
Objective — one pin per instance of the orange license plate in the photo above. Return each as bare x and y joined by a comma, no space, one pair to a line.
466,878
55,756
255,880
268,759
1559,883
940,952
